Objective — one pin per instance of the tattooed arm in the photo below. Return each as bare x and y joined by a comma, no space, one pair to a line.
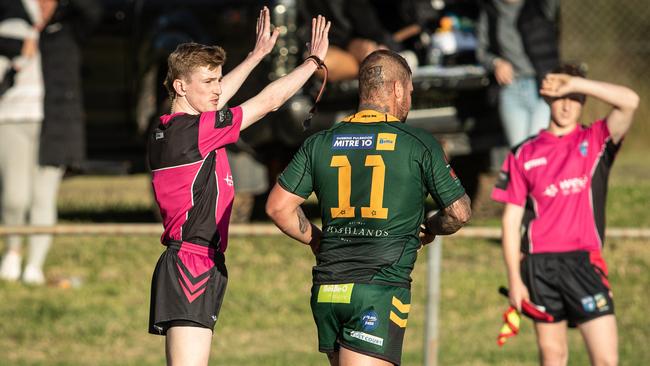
284,209
450,219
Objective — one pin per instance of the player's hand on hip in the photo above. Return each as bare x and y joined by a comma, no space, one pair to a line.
320,28
425,236
265,38
557,85
517,293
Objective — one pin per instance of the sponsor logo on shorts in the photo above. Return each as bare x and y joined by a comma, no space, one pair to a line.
530,164
601,302
386,141
588,304
214,318
353,142
339,294
369,321
160,135
367,338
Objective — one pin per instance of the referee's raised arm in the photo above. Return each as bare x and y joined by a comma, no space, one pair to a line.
278,92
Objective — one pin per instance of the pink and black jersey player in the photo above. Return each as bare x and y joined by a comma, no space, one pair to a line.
194,190
554,186
562,183
193,182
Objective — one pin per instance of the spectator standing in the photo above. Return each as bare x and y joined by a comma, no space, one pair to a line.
518,42
41,119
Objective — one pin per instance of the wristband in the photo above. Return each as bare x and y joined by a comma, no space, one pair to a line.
320,65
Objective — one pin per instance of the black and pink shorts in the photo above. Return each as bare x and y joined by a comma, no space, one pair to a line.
187,288
571,286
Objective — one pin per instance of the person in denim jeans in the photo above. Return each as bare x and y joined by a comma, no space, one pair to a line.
518,43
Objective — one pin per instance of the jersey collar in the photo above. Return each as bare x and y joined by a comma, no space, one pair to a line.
370,116
547,135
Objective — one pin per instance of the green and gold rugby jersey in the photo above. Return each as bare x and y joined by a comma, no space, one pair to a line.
371,174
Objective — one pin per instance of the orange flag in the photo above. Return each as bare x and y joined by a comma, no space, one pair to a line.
510,328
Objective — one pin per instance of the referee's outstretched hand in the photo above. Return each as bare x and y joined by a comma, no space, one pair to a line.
320,28
265,38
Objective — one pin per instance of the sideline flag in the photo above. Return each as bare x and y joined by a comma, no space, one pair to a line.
512,318
529,309
510,328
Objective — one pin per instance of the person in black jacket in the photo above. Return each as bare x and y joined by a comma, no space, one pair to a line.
41,117
360,27
518,42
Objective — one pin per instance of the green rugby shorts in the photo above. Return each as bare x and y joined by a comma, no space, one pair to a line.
368,319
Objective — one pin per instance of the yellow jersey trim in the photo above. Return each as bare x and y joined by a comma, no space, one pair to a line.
370,116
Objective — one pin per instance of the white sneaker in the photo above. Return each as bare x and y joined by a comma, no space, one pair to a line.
33,275
10,267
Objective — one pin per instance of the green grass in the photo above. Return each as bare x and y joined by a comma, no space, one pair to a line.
266,320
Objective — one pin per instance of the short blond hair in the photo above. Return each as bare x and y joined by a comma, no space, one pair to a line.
186,58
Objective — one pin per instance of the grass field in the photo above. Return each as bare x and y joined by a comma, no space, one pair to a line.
266,319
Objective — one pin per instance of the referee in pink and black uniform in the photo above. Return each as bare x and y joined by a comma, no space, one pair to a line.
554,187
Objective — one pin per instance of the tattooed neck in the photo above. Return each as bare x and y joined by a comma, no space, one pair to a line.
377,107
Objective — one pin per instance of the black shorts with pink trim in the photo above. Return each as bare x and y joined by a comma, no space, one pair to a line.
187,288
571,286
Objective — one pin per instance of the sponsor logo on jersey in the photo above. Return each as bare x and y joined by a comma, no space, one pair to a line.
601,302
452,173
573,185
588,304
530,164
224,118
584,147
369,321
367,338
386,141
228,180
353,142
502,180
551,190
354,231
566,186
